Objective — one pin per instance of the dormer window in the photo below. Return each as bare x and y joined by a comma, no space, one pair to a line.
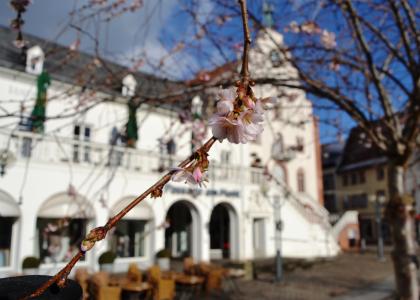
129,84
197,107
34,60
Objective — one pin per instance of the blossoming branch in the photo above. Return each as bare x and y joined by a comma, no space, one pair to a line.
238,119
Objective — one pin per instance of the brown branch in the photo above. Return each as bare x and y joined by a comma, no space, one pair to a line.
385,41
382,93
403,32
155,190
247,44
409,11
99,233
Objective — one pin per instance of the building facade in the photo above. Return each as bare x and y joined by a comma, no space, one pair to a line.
71,171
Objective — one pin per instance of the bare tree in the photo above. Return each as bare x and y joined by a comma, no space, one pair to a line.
364,58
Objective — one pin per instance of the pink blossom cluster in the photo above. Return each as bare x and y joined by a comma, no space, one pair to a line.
239,116
194,177
309,27
326,37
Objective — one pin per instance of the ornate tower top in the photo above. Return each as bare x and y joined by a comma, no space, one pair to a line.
268,11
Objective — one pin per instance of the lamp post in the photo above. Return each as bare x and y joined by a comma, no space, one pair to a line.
378,215
278,228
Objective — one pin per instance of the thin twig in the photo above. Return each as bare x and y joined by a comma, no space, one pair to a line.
156,189
247,44
99,233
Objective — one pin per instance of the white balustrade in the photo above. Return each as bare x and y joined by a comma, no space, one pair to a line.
53,149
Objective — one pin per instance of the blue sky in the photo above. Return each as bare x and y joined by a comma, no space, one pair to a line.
150,31
50,19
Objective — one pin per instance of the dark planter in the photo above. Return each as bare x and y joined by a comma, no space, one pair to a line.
13,288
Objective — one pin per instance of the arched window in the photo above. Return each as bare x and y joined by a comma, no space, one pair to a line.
301,180
132,236
62,223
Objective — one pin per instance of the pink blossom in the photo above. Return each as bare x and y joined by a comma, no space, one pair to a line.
310,27
75,45
293,27
181,174
248,102
328,39
252,123
226,99
224,107
197,174
240,123
232,129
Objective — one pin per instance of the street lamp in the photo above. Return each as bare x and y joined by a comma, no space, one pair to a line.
278,223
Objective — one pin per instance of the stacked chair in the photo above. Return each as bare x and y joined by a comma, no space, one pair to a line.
133,274
99,288
163,288
81,276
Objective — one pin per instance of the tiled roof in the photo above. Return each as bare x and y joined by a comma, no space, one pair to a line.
219,75
360,152
331,154
82,69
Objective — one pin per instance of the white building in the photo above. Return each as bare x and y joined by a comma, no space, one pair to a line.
59,184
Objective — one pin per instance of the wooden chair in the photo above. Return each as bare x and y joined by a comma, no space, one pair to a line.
99,288
189,266
81,276
214,280
134,274
163,288
204,268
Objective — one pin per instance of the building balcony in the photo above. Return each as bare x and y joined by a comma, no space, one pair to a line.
19,146
284,155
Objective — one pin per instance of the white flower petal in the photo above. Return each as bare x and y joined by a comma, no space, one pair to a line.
224,107
227,94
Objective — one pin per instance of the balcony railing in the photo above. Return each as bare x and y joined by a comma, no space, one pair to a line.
53,150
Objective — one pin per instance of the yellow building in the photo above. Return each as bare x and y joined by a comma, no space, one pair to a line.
361,184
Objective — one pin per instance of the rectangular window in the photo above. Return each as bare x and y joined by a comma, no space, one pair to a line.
356,201
362,177
26,147
225,157
129,238
81,134
329,183
345,180
380,173
330,203
353,178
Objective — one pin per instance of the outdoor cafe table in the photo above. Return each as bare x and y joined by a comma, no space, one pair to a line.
134,290
188,285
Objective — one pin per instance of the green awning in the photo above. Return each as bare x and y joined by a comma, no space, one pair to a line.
39,112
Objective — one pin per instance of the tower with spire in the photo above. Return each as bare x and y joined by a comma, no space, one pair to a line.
268,11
